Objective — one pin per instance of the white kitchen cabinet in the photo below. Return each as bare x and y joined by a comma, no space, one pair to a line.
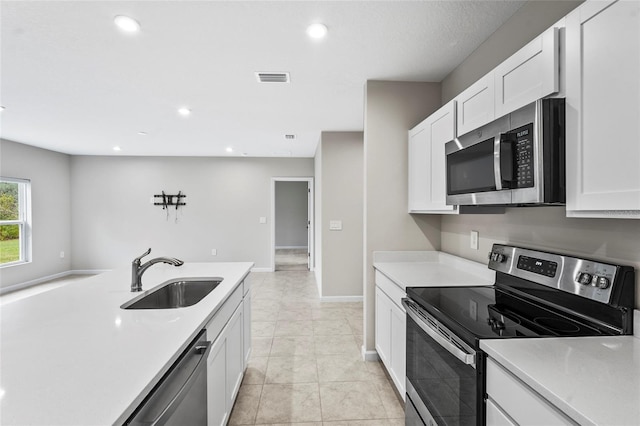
603,110
246,303
427,162
475,106
217,409
226,361
235,355
515,402
390,334
530,74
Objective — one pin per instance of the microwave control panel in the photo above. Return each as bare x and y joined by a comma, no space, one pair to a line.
524,155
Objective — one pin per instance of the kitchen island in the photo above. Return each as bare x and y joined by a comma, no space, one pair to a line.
72,356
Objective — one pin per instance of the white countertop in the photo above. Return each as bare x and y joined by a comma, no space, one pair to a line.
71,356
431,269
594,380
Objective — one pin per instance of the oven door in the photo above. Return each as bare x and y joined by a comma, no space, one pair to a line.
444,385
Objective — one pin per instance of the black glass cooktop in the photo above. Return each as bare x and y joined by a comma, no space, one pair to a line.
489,313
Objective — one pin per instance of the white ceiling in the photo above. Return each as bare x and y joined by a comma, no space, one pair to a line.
72,82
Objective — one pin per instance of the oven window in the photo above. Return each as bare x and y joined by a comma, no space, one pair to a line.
471,169
446,386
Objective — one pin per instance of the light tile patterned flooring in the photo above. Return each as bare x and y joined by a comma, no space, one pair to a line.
306,365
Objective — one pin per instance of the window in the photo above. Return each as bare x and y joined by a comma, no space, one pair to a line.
15,217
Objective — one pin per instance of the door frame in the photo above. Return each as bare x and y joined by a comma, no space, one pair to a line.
310,217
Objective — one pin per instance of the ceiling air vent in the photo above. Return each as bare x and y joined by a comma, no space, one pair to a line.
273,77
289,137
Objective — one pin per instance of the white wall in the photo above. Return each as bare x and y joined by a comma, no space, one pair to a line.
292,200
341,194
540,227
114,220
391,109
50,202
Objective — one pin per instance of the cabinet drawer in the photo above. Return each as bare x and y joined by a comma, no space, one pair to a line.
222,315
391,289
519,401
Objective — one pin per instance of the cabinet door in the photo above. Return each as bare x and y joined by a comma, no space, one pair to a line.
383,326
418,168
530,74
235,355
496,417
475,106
217,410
603,110
398,348
246,306
441,131
427,162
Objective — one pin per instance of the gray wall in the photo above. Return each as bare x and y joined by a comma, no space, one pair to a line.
340,197
291,214
114,220
50,202
391,109
540,227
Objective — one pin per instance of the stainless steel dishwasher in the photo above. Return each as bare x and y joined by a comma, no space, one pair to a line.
181,396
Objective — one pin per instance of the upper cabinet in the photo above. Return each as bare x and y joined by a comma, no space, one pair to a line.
475,106
427,169
603,110
530,74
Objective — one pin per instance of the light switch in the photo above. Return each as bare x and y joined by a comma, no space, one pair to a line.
335,225
263,219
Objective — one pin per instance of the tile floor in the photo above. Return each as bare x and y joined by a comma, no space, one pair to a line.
306,365
291,259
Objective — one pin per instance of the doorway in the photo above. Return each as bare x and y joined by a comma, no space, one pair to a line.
292,224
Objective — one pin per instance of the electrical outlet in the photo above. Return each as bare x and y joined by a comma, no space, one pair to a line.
214,252
473,241
263,219
473,310
61,255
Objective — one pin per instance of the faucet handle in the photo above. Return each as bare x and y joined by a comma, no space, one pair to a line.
137,259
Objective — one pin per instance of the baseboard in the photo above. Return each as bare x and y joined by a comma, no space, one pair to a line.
369,355
261,270
41,280
341,299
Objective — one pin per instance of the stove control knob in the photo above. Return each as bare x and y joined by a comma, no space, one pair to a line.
497,257
585,278
603,282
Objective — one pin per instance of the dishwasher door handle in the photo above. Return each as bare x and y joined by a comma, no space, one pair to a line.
188,384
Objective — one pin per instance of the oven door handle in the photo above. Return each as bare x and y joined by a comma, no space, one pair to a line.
413,312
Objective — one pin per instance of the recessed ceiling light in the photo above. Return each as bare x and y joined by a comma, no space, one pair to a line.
184,111
229,149
127,24
244,154
117,148
317,30
2,108
143,133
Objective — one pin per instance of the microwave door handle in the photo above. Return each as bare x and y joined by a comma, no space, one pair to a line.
496,163
468,359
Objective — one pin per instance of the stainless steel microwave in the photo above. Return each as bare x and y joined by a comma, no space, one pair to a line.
518,159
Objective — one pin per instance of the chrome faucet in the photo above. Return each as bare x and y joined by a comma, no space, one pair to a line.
137,269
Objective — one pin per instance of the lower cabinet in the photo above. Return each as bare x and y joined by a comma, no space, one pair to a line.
512,402
390,323
228,357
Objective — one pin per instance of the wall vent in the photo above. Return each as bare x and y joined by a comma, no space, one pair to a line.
273,77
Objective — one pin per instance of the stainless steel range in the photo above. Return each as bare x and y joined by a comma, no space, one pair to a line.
536,294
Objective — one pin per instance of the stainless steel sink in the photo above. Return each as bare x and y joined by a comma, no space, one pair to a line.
174,294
